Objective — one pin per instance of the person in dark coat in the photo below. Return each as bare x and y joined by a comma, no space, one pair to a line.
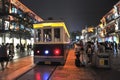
3,56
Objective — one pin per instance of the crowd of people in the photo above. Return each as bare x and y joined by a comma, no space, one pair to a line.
7,52
84,51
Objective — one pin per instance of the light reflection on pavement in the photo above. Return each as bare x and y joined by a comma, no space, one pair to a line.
40,72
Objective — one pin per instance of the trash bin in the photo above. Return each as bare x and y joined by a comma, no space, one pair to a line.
103,60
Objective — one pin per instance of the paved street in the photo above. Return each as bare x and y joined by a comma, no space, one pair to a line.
71,72
68,71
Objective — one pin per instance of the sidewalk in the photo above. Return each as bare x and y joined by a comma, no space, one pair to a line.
116,61
71,72
16,68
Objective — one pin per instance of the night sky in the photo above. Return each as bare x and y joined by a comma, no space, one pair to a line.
76,13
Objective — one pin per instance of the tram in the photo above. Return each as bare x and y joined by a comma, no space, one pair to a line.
51,42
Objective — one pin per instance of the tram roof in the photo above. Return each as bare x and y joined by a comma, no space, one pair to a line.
51,23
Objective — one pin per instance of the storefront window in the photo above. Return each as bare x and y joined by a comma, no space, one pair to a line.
6,25
110,28
20,13
7,5
22,27
110,18
16,27
12,26
14,10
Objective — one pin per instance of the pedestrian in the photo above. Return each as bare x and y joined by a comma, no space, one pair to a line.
11,51
28,49
77,53
83,57
4,59
18,48
77,50
115,47
101,48
89,53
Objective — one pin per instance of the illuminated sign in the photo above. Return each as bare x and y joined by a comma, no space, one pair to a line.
90,29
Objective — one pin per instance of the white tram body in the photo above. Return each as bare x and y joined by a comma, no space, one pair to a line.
51,42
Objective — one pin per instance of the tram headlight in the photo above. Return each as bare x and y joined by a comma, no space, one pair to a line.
46,52
57,52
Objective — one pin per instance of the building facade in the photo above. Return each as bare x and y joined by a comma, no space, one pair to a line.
16,22
111,24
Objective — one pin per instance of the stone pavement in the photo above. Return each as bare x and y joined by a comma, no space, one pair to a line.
71,72
16,68
68,71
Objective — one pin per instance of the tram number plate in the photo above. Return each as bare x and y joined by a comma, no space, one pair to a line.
47,62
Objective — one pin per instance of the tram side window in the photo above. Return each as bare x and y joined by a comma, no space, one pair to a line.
39,35
57,34
47,36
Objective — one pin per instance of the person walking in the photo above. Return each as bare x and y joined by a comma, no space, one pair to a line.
77,53
83,57
101,48
11,51
89,52
4,59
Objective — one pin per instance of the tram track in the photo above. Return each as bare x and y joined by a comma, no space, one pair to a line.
39,72
52,73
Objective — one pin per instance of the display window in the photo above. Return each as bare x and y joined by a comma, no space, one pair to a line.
14,9
6,25
22,27
110,28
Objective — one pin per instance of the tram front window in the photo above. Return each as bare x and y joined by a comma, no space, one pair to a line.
47,35
57,34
